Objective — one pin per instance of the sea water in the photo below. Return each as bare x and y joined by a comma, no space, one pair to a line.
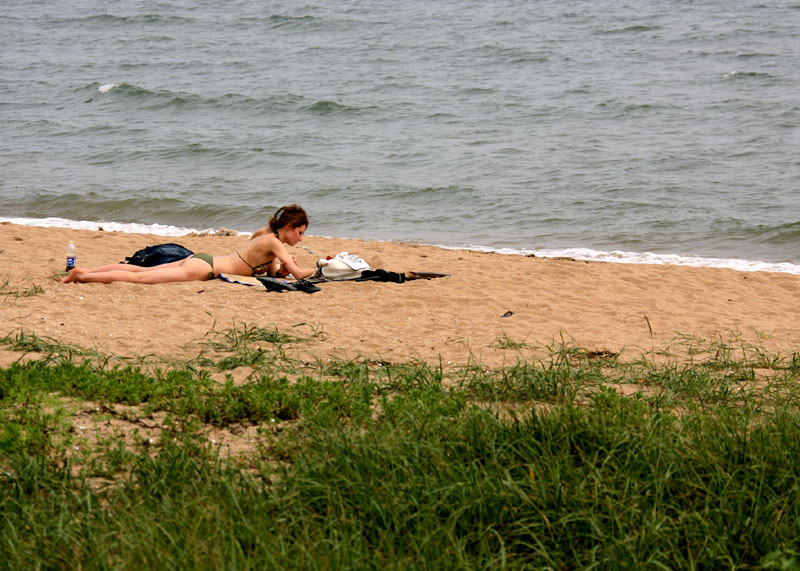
655,132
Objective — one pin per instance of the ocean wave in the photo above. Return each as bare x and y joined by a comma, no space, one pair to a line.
325,107
636,29
746,74
106,87
153,98
501,53
756,55
167,98
784,234
107,20
281,21
583,254
122,87
274,102
164,98
624,107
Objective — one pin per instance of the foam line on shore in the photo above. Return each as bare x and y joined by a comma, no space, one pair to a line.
586,254
128,227
622,257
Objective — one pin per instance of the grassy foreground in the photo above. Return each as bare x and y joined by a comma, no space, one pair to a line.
577,460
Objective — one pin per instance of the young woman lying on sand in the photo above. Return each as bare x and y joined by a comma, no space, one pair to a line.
265,253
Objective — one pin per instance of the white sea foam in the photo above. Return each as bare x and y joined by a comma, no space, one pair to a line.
621,257
130,228
105,88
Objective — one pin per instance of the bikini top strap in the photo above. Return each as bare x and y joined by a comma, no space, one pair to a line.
245,261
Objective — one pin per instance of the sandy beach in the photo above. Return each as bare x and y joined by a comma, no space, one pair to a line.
623,308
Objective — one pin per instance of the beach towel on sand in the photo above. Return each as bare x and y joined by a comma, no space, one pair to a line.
308,285
271,284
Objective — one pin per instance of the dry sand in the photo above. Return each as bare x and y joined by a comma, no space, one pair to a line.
597,306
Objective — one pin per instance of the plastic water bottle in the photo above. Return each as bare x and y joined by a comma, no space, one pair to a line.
72,254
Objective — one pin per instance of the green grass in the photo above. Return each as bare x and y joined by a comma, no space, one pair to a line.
355,464
7,292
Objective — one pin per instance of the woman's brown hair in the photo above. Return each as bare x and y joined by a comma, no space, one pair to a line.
292,216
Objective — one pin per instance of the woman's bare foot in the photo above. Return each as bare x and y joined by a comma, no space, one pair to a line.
74,276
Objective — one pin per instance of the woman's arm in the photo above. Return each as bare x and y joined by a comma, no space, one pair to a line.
288,263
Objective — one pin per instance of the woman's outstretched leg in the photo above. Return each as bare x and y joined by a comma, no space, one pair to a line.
188,270
133,268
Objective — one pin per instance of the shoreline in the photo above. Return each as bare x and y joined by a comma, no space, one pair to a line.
580,254
457,320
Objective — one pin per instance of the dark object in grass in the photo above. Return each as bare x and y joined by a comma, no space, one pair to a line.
601,354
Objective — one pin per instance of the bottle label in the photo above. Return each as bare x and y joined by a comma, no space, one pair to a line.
70,262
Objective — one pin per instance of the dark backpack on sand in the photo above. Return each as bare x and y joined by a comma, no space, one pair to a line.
158,254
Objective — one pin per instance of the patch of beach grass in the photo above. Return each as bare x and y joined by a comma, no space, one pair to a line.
361,463
9,292
506,342
247,345
48,348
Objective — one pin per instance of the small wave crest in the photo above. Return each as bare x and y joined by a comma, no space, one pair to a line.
166,98
106,87
279,102
153,98
325,107
636,29
124,88
746,74
108,20
784,234
282,21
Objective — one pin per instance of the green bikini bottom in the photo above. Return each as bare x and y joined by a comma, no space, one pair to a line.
209,259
